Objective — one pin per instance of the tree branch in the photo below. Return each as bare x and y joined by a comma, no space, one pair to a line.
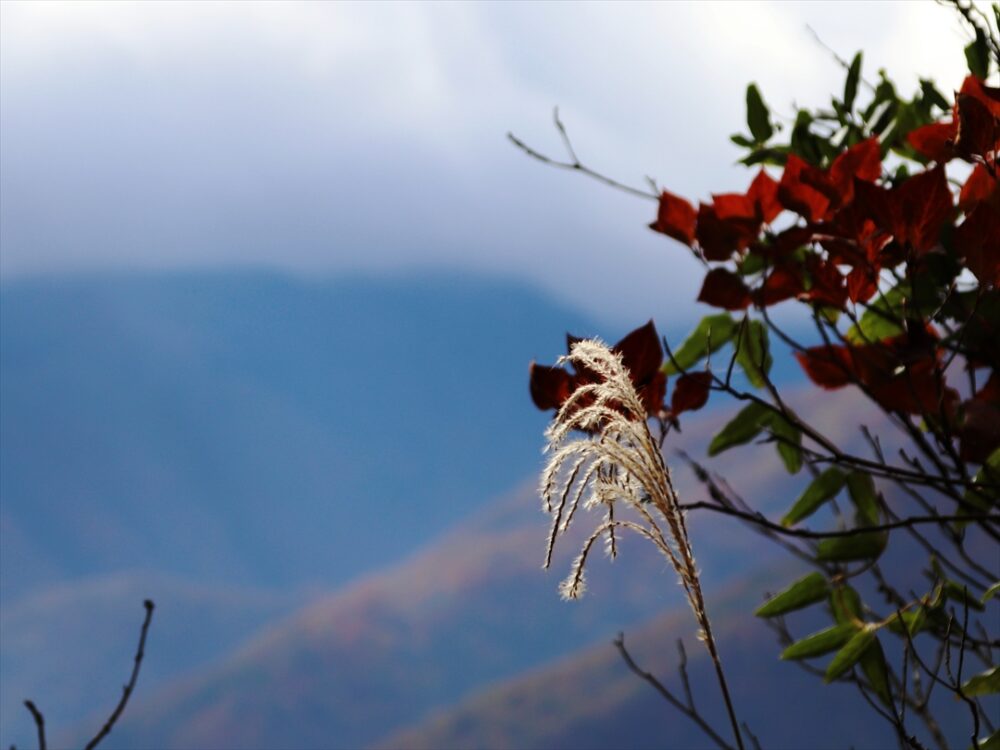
130,686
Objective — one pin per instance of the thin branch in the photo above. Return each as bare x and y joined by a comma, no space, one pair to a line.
574,164
690,712
130,686
760,520
39,723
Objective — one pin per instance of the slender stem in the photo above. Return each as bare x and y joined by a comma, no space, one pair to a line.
130,686
714,653
687,710
39,723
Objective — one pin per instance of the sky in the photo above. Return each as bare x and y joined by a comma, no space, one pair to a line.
320,138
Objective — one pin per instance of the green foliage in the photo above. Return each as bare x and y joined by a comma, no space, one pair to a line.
743,428
822,642
711,334
851,652
807,590
822,489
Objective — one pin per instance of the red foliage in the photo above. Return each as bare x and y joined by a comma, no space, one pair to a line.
725,289
641,354
690,392
675,218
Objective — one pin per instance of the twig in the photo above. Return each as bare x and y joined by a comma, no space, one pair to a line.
690,712
39,723
130,686
574,164
760,520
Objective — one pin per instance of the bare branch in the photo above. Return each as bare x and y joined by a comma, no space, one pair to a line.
130,686
672,699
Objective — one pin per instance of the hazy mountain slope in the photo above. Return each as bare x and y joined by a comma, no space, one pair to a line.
591,700
470,608
70,647
255,428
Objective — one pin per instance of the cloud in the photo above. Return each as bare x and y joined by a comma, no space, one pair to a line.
319,137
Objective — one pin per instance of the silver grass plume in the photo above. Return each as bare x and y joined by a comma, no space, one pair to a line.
614,461
603,455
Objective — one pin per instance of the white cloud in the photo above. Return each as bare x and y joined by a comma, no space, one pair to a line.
322,136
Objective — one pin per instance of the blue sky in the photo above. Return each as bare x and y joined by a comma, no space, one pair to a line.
324,137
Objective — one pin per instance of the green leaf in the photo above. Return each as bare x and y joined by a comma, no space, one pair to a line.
758,118
820,490
979,497
711,334
851,84
861,488
743,428
977,55
788,442
885,317
851,652
741,140
805,591
912,620
990,592
751,263
776,156
983,684
855,547
753,352
874,667
990,743
820,643
804,143
846,605
933,96
959,593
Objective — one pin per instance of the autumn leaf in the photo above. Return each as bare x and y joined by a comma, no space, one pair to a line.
690,392
725,289
675,218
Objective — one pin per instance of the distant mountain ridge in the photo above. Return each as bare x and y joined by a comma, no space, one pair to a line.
180,435
401,646
254,428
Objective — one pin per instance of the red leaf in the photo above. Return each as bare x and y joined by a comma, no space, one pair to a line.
827,283
991,391
641,352
781,284
862,283
990,97
977,239
862,161
935,141
690,392
977,128
920,206
675,218
981,186
550,386
729,206
797,196
764,194
724,289
717,238
827,366
980,432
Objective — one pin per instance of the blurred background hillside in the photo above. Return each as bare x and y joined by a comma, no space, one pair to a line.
270,279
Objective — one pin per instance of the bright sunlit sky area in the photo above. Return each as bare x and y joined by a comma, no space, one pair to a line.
322,137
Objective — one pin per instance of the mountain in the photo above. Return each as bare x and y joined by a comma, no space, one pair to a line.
591,701
255,429
230,444
471,608
69,647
